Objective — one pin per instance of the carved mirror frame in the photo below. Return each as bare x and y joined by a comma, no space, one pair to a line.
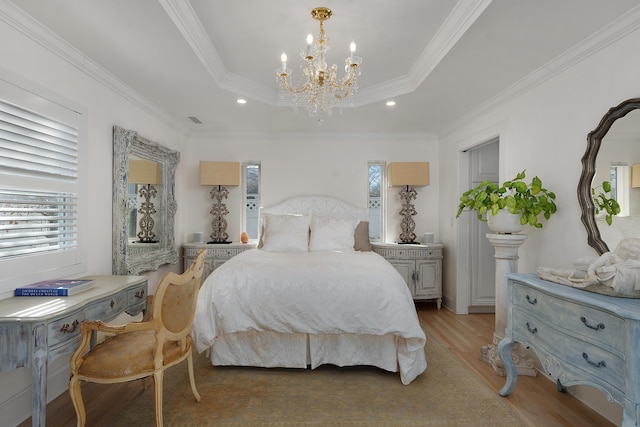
594,140
128,143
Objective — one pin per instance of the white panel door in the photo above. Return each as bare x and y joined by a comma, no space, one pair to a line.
484,165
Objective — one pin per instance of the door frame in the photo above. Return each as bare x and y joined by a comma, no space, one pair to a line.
463,223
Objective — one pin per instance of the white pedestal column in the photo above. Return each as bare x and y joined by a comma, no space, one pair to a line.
506,255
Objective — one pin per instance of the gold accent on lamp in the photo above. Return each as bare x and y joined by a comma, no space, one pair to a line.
146,174
320,89
635,176
219,174
408,174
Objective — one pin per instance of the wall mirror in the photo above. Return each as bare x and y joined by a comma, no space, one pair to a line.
613,144
144,203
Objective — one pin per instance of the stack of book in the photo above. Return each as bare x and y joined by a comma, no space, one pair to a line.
54,288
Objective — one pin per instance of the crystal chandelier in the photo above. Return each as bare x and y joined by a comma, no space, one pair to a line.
320,89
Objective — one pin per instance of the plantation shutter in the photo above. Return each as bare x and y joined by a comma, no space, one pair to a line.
34,146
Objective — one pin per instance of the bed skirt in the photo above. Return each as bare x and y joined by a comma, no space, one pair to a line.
280,350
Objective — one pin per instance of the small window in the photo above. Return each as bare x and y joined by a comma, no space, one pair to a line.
251,197
376,200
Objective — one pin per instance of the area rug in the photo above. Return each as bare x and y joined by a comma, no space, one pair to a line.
446,394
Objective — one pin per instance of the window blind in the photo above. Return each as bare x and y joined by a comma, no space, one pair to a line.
34,145
37,221
33,222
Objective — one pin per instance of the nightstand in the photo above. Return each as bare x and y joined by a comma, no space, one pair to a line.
419,265
217,254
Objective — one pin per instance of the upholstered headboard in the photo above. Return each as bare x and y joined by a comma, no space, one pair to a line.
317,205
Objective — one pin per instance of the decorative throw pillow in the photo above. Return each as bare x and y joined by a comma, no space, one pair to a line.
361,239
332,234
286,233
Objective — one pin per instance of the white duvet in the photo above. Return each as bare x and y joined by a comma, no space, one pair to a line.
314,293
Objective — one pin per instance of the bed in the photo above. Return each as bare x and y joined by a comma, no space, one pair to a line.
312,293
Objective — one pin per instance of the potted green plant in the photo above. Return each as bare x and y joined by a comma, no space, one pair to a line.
526,201
605,203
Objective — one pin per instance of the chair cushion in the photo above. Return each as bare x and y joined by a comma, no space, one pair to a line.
125,355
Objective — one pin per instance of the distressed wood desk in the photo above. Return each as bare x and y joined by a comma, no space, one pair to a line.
36,330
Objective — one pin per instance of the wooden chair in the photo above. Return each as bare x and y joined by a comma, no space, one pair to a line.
142,349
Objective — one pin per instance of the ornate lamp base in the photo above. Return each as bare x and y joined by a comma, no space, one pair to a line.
408,225
146,234
219,210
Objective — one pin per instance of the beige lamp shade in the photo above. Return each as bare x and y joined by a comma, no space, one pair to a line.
413,174
144,172
219,173
635,176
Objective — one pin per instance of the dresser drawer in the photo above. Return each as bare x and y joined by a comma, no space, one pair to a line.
107,309
137,294
590,323
64,329
593,359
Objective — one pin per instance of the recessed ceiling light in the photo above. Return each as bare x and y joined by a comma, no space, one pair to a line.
241,101
391,103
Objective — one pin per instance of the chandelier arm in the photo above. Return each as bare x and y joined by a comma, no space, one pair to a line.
291,89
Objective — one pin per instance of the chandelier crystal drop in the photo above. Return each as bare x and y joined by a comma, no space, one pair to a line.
320,89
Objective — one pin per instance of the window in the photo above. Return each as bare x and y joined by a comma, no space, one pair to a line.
251,197
376,200
620,180
39,189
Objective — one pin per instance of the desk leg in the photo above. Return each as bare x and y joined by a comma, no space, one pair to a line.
39,377
504,350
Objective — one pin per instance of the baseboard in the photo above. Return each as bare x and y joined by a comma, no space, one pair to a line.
477,309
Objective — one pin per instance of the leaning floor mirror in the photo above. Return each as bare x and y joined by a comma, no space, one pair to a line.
144,203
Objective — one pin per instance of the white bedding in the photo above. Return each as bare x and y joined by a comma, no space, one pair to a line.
326,295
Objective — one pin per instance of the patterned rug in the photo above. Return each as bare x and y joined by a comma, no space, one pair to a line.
446,394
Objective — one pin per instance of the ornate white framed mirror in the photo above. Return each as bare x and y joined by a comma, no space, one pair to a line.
142,244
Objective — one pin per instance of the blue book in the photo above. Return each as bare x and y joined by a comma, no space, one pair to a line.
54,288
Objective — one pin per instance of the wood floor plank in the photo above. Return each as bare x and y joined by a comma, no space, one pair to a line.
535,399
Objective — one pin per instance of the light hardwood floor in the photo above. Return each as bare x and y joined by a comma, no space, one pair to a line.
535,399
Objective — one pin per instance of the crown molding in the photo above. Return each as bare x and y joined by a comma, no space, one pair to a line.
606,36
187,22
311,136
28,26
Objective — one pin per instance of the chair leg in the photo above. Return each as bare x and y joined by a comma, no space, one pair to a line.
191,376
157,379
76,398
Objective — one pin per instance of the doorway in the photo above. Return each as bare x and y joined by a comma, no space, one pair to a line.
483,165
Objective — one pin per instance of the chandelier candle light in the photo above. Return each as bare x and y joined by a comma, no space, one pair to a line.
320,89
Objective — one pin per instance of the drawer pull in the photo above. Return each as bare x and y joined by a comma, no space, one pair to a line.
66,329
532,301
112,303
600,364
598,326
532,330
140,294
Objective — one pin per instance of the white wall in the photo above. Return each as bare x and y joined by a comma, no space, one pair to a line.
544,131
35,65
317,164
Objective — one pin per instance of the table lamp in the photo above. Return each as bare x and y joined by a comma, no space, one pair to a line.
219,174
146,174
408,175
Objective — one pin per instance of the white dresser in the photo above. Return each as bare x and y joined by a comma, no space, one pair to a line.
419,265
580,338
217,254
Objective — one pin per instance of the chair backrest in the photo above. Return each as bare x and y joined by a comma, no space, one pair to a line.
175,299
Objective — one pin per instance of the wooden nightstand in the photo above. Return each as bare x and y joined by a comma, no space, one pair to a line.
217,254
419,265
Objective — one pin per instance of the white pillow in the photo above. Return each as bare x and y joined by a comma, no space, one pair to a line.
332,234
285,233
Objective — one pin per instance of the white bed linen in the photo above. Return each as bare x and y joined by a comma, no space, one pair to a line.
317,300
